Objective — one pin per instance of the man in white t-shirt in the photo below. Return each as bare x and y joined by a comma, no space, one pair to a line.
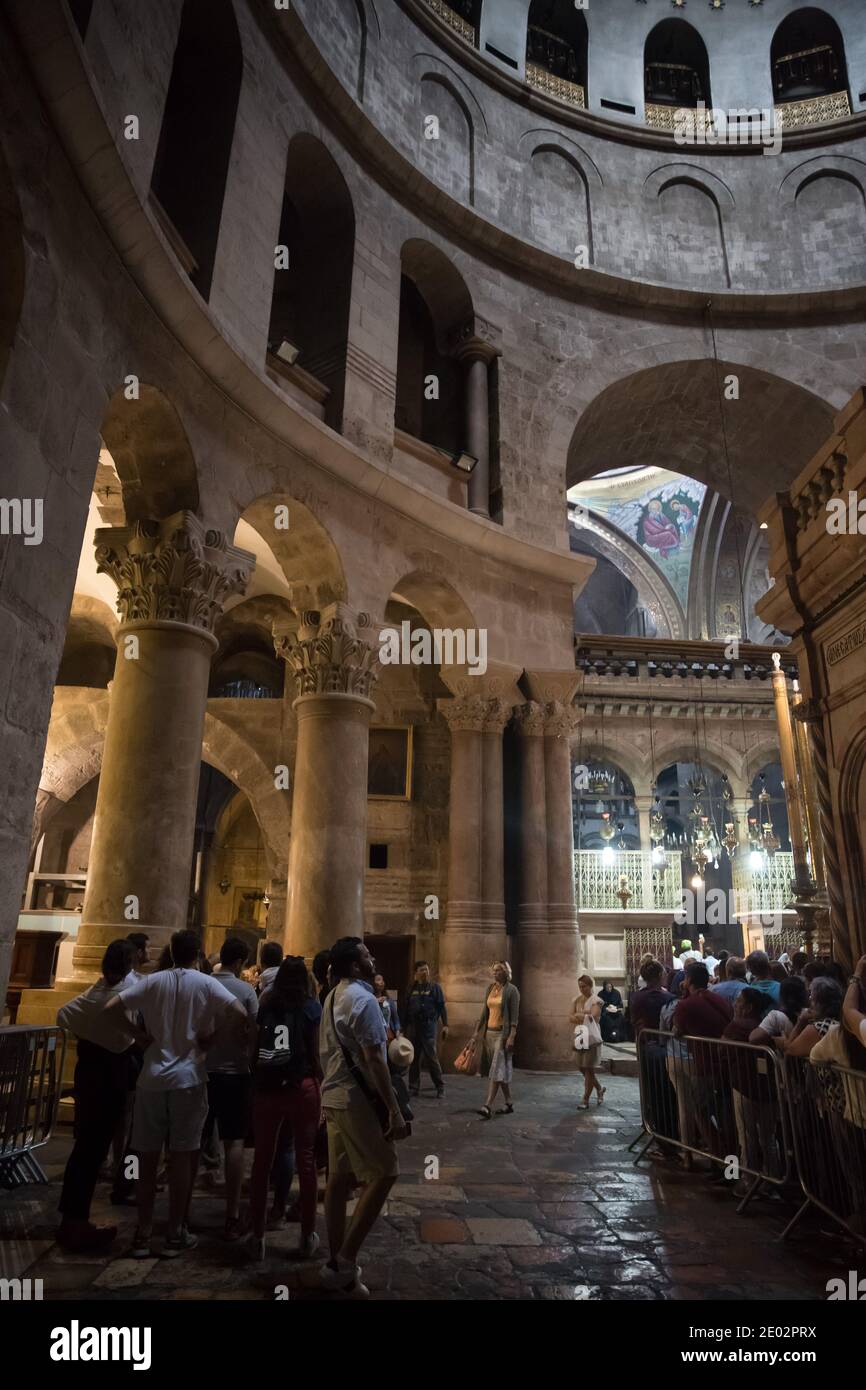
181,1009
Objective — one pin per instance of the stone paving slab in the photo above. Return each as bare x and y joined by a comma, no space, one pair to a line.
545,1205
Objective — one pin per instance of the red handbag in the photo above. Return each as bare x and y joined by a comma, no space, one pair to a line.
467,1060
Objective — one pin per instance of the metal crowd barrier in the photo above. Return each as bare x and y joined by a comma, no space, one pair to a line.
827,1104
782,1118
719,1100
31,1073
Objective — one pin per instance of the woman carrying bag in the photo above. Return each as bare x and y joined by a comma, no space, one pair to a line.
585,1014
497,1030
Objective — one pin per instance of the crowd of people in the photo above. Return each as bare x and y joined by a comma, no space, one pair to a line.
312,1069
703,1096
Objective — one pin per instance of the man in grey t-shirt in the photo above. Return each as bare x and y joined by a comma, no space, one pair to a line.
352,1045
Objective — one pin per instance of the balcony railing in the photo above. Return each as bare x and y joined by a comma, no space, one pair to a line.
767,889
454,20
557,87
791,115
598,881
684,118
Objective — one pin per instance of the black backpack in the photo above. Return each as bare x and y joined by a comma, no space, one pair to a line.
281,1054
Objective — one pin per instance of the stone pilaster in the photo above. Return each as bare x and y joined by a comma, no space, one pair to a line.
475,933
333,660
173,577
475,350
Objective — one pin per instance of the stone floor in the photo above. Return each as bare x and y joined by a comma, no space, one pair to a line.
544,1204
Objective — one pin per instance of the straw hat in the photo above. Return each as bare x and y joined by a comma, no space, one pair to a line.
400,1053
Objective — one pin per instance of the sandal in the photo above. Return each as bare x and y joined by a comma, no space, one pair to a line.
507,1110
601,1095
485,1112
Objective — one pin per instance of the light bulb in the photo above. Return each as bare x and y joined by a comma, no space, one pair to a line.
756,859
607,855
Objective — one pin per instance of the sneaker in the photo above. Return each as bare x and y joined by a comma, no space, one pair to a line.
309,1245
440,1095
340,1276
179,1245
141,1248
256,1248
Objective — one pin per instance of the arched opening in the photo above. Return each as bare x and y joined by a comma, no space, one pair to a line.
434,306
768,813
245,666
807,57
309,328
298,567
463,16
195,142
676,71
150,451
11,267
557,44
695,803
603,807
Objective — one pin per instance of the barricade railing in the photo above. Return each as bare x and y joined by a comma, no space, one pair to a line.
31,1073
720,1100
827,1105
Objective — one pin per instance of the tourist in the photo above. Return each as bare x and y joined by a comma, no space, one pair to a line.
645,1008
139,941
321,961
287,1094
612,1014
760,976
778,971
799,961
270,957
679,1068
496,1030
585,1014
388,1007
229,1084
181,1009
425,1008
687,952
825,1009
711,961
780,1022
753,1089
364,1119
105,1073
703,1014
734,982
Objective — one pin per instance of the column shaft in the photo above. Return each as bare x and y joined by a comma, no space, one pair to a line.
478,433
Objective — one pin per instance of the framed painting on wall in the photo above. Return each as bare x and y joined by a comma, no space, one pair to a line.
389,766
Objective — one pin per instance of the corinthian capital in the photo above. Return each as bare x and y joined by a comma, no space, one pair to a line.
466,713
172,570
332,653
530,718
560,720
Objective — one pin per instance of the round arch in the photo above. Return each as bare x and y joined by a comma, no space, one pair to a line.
302,546
438,602
152,454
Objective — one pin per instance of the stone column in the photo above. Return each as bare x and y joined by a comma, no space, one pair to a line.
475,933
173,577
644,805
548,936
477,356
831,918
333,659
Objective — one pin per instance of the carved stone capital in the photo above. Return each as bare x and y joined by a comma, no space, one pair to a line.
560,720
331,653
807,711
466,713
174,570
499,713
476,340
530,719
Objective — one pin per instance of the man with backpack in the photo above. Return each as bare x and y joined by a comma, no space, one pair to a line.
425,1008
363,1114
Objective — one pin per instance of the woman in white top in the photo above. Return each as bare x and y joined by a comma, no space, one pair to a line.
585,1013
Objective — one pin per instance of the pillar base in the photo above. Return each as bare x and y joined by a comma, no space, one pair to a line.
548,967
87,954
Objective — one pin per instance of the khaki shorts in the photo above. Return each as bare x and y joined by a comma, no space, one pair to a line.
357,1145
171,1118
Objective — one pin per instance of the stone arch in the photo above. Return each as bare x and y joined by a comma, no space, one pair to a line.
435,598
759,756
805,32
12,266
555,193
714,755
305,551
653,589
625,757
89,650
245,633
435,305
692,243
676,65
558,41
828,200
151,453
450,161
317,226
195,142
668,416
